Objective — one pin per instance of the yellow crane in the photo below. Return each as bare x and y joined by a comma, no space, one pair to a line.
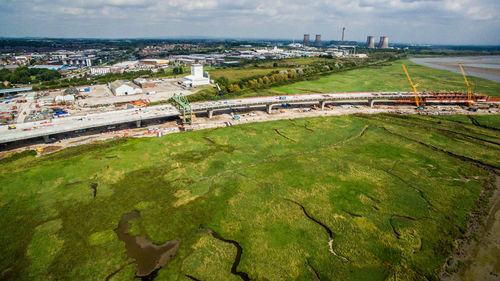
469,87
414,86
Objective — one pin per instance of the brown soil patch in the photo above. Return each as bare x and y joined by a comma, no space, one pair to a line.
49,149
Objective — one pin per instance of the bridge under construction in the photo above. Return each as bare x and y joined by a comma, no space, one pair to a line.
181,107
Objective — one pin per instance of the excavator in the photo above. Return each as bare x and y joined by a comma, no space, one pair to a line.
420,107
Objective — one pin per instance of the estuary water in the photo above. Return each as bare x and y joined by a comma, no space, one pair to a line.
487,67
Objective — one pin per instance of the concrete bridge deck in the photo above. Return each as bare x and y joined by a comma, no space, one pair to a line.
73,123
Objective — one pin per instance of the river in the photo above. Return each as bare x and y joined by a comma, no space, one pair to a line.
487,67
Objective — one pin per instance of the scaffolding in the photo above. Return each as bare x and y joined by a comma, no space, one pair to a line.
182,104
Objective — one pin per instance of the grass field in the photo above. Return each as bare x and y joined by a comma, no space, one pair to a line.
393,191
235,75
386,78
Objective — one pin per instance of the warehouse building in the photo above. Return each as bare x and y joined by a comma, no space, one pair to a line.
123,88
102,70
143,83
154,62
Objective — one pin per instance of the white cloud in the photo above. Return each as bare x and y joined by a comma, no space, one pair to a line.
429,20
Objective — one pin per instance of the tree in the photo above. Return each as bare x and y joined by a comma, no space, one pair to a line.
233,88
178,70
222,81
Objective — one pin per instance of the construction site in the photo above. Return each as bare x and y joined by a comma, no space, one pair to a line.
120,185
60,103
48,117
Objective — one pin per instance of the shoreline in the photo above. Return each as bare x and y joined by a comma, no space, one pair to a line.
477,253
451,64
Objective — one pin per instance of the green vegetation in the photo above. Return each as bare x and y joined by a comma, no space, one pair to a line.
323,75
238,74
109,77
25,75
395,191
387,78
286,71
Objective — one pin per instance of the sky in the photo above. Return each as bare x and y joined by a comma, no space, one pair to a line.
454,22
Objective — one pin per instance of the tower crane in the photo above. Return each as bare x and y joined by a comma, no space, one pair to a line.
469,87
414,86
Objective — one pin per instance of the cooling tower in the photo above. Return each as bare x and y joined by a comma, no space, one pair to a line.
370,42
306,40
384,42
317,42
343,34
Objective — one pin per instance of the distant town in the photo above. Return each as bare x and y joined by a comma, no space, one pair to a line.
42,79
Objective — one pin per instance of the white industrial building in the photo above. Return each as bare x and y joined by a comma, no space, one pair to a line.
123,88
66,99
196,78
99,70
127,64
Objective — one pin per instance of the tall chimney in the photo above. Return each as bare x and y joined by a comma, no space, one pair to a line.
343,34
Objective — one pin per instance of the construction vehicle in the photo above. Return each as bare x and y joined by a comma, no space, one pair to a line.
420,107
233,115
469,86
11,127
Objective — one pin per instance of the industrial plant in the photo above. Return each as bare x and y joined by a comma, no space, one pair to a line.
317,42
370,42
307,40
383,44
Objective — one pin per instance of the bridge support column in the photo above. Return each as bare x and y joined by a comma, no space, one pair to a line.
269,107
322,105
371,102
46,138
138,123
210,113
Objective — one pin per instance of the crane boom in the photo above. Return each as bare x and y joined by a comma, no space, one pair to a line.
235,116
469,87
414,86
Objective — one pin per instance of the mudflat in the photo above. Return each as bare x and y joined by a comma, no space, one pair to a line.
487,67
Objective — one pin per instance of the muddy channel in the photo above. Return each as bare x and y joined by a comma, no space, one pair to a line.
148,256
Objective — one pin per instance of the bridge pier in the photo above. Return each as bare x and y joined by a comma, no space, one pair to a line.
269,107
46,138
138,123
210,113
371,102
322,105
